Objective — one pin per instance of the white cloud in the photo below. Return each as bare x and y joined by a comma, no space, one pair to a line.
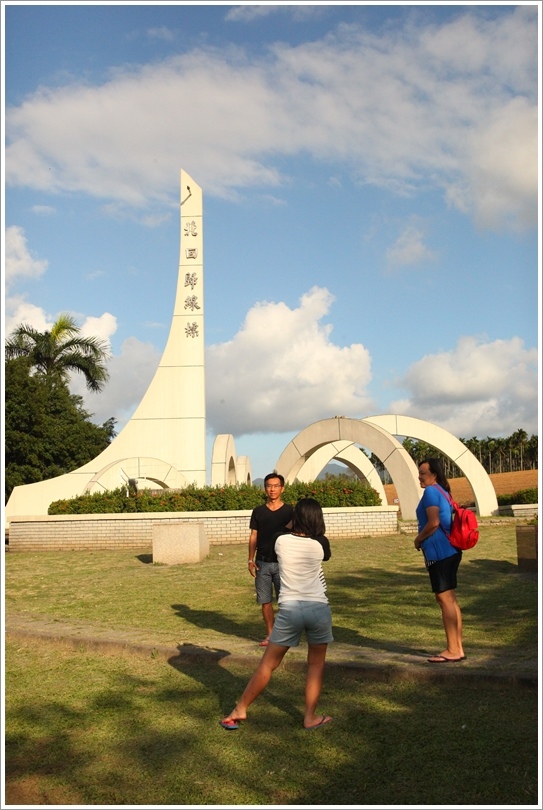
478,389
409,248
162,32
282,371
19,262
18,311
250,12
102,327
450,107
130,372
43,210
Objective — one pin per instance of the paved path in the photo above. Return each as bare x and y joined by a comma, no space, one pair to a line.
388,664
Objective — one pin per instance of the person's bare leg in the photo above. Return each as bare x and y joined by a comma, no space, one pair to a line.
316,656
452,623
269,616
270,661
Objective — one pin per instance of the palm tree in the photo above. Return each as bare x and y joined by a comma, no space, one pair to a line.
61,351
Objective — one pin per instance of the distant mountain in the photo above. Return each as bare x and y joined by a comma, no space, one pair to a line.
335,469
330,469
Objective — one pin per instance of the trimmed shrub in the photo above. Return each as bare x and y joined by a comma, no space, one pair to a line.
330,492
522,496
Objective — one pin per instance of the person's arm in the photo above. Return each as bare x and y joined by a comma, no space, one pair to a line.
432,523
252,552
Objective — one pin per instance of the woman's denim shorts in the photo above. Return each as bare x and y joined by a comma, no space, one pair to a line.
297,616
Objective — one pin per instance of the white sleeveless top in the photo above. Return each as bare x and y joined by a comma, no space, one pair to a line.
300,569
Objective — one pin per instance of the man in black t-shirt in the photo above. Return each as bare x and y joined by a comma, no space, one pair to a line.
266,521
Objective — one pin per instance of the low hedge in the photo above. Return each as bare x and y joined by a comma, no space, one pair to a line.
522,496
329,493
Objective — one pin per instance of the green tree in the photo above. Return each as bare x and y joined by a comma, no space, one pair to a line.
47,431
60,351
519,440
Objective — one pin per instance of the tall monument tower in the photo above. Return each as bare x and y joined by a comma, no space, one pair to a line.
164,442
174,404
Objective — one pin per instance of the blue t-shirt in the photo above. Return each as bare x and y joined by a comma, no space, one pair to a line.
437,546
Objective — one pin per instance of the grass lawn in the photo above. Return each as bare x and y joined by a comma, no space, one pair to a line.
94,728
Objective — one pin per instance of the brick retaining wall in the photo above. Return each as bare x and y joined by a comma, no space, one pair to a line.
125,531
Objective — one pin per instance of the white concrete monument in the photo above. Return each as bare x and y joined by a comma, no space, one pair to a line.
164,443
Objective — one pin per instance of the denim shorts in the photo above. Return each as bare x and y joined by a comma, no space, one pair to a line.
297,616
267,580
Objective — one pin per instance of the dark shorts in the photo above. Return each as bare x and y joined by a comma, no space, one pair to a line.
443,573
267,580
297,616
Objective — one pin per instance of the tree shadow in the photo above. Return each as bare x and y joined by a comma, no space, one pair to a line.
219,679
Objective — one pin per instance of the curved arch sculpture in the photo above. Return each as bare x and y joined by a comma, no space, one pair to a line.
223,460
244,473
479,480
384,445
351,455
159,472
226,467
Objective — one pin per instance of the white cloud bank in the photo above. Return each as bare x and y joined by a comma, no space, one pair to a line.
450,106
282,371
478,389
19,262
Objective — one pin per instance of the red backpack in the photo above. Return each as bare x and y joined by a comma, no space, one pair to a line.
464,532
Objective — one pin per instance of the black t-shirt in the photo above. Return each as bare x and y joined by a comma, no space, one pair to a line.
268,523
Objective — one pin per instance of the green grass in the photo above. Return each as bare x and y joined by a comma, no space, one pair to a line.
90,727
378,590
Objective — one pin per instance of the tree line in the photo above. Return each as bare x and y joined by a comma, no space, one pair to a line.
49,433
497,455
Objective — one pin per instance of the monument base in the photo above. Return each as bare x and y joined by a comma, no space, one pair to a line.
177,543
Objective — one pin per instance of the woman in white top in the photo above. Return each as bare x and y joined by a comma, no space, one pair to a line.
303,607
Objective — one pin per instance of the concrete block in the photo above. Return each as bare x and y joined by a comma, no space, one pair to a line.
176,543
527,543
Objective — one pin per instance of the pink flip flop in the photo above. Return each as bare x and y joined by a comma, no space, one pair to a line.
229,725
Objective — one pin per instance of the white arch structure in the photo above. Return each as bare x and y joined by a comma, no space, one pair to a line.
478,478
150,473
351,455
226,467
384,445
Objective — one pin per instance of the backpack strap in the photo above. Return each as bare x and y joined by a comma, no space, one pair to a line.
444,491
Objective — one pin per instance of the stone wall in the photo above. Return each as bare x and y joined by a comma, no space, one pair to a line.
126,531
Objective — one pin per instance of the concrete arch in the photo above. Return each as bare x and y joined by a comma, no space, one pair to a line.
142,468
479,480
352,456
386,447
223,460
244,473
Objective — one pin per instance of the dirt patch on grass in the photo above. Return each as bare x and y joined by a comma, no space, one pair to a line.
503,483
39,790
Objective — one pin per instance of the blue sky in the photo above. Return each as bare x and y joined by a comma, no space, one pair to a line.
370,192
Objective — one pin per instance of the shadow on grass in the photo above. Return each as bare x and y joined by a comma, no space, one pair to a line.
145,558
211,671
490,592
219,622
138,740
